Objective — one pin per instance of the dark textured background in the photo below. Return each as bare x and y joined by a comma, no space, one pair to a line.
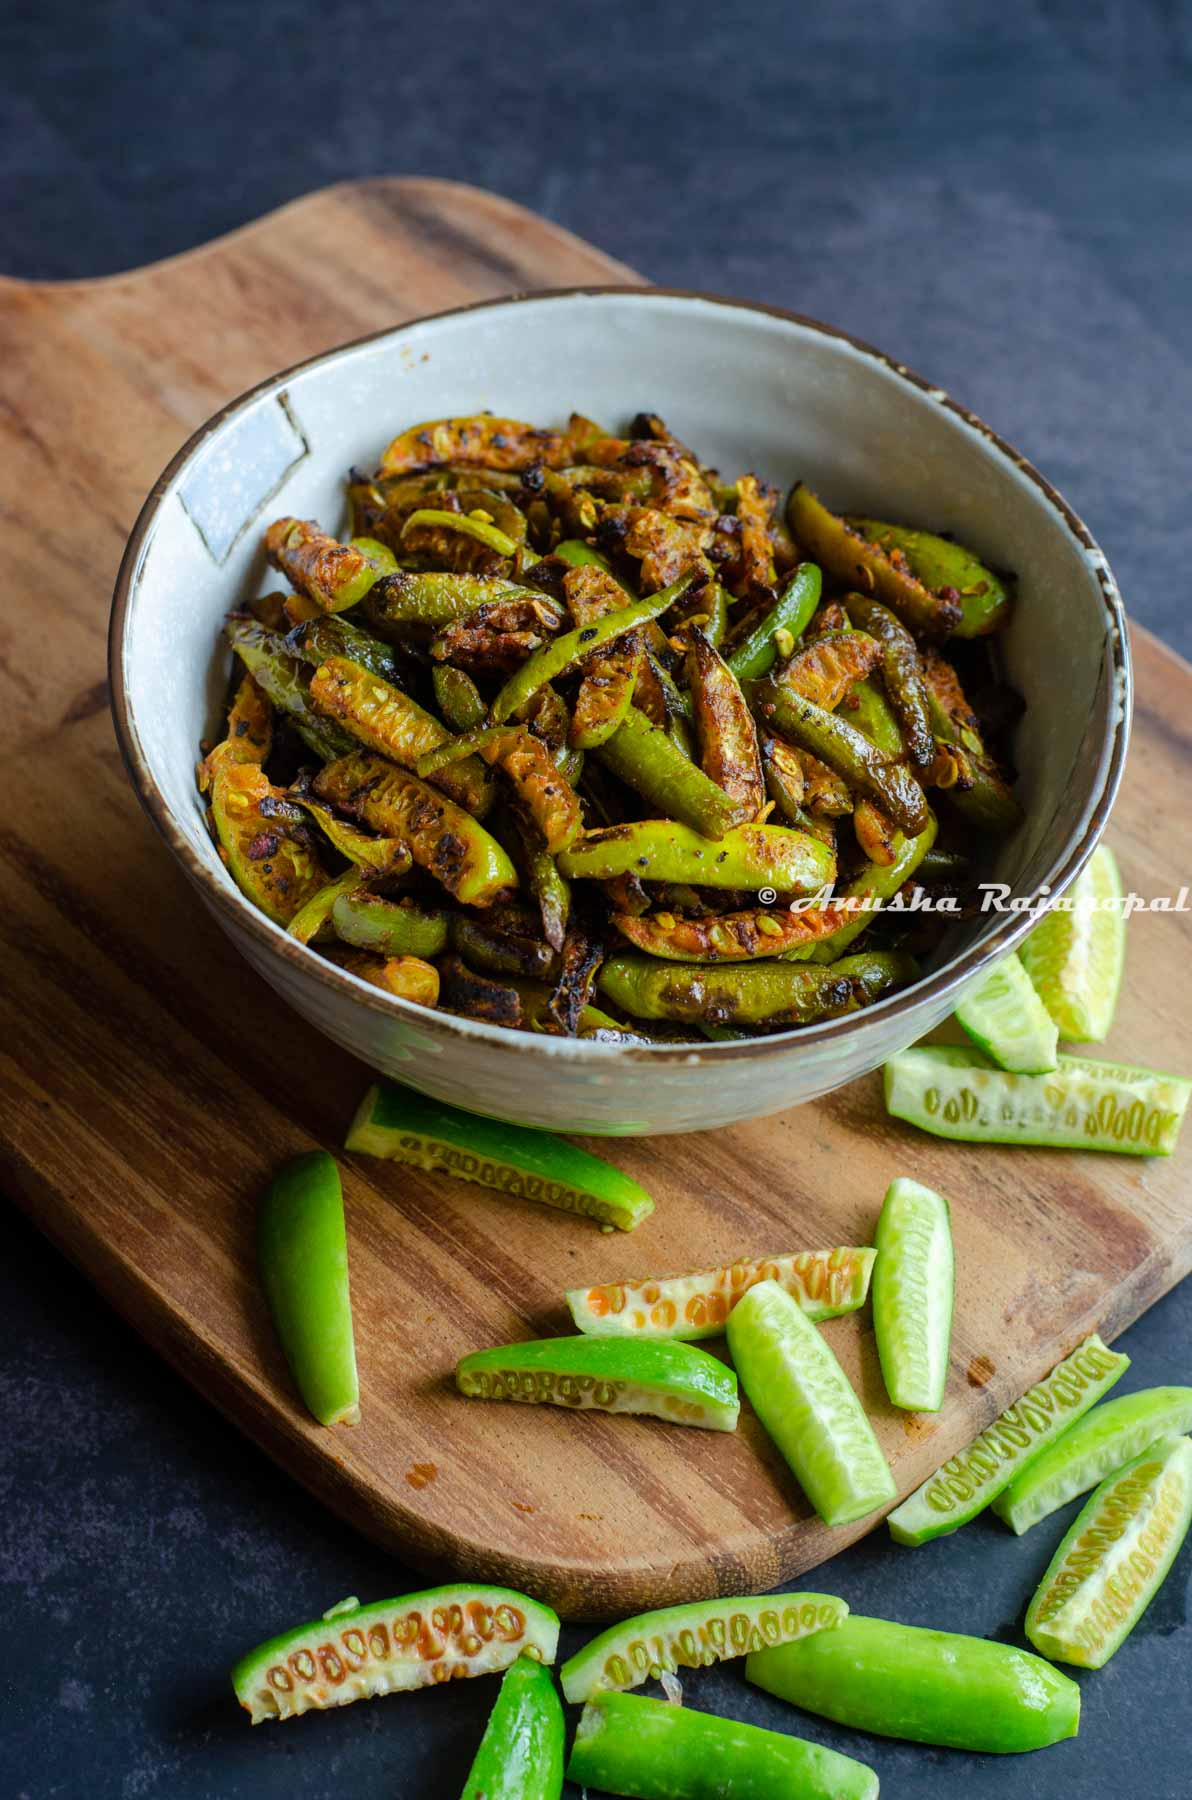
998,193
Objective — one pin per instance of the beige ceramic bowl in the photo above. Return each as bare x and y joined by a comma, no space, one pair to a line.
751,388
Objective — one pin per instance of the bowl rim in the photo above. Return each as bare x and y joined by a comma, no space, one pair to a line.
232,909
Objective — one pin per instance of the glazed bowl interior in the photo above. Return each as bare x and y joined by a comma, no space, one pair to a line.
750,390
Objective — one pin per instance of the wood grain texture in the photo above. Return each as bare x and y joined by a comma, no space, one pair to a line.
149,1083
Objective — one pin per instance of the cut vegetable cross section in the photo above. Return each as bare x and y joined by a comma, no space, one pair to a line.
1115,1557
803,1398
969,1482
390,1646
1006,1019
823,1283
1091,1449
1074,956
666,1381
402,1126
693,1636
1082,1105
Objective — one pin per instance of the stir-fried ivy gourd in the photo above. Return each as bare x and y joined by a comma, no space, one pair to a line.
567,733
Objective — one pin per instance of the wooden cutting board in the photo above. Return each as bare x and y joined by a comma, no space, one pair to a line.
149,1082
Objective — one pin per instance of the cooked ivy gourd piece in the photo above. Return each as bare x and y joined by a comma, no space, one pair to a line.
564,731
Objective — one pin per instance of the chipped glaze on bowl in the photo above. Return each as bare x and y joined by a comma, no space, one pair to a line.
752,388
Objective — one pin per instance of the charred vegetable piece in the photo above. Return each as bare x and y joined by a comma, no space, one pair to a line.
977,789
331,635
728,937
551,892
303,1252
406,976
967,1483
407,1127
933,1687
531,769
877,972
458,698
825,668
571,647
890,785
605,695
646,759
851,558
579,961
313,918
902,673
483,531
333,575
505,944
386,720
249,735
272,861
287,685
756,656
630,1744
870,712
390,928
948,569
755,512
777,993
381,856
439,835
869,889
479,442
667,1381
691,1637
435,598
803,1398
479,997
521,1753
752,856
727,734
822,1283
390,1646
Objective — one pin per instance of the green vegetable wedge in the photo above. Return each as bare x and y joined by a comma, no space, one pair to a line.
803,1398
521,1753
674,1382
913,1285
934,1687
628,1744
1083,1105
354,1652
1074,957
1091,1449
692,1637
396,1123
1006,1019
1115,1557
968,1483
303,1252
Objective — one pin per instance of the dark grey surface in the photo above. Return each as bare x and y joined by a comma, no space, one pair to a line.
997,193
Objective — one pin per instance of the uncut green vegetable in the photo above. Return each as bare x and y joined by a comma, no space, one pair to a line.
631,1745
1114,1557
355,1652
1096,1446
757,654
302,1249
521,1753
403,1126
913,1288
969,1482
391,927
1006,1019
673,1382
933,1687
752,856
693,1636
1082,1105
803,1398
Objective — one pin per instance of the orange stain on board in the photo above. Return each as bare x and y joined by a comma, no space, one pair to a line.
979,1371
420,1475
